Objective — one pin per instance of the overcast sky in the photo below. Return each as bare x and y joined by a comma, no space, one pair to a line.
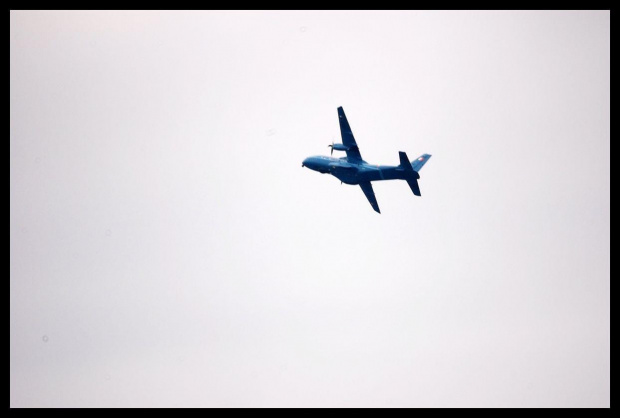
167,248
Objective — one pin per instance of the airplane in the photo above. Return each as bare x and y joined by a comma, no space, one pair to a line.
352,169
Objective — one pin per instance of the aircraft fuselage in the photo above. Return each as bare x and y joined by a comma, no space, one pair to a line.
355,172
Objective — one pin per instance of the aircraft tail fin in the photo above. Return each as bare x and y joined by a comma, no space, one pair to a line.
419,162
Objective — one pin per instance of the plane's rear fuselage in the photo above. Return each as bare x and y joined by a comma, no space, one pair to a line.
354,172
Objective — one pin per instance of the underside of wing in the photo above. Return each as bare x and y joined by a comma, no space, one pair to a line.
370,195
348,140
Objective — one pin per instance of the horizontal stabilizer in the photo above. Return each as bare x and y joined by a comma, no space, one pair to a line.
404,161
415,188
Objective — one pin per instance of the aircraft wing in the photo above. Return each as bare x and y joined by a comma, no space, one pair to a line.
370,195
348,140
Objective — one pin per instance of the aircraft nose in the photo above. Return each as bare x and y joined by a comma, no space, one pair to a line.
304,162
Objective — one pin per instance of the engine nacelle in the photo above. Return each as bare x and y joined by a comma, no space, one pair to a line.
340,147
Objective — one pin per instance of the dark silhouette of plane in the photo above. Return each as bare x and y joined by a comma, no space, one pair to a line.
353,170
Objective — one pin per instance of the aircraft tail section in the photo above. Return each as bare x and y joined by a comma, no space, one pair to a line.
404,161
419,162
415,188
411,170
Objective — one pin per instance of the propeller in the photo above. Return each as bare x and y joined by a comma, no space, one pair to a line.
332,146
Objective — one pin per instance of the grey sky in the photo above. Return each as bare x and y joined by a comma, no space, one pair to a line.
167,248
